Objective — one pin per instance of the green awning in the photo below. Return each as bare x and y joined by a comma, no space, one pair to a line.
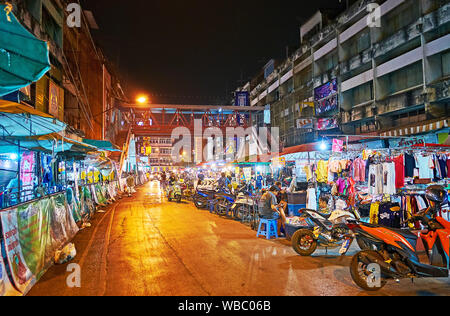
24,59
102,145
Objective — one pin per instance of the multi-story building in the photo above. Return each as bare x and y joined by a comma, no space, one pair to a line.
81,87
380,68
156,150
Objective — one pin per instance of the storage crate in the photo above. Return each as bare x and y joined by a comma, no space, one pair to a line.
297,198
294,209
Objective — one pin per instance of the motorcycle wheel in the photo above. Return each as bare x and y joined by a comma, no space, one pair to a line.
363,245
178,199
304,242
241,213
198,204
360,274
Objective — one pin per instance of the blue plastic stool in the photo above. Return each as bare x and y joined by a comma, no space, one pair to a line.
270,230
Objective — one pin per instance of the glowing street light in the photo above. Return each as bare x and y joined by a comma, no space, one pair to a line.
142,99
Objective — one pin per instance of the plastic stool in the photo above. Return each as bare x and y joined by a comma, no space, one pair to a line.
270,230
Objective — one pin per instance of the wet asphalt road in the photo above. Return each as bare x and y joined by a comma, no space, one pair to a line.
144,245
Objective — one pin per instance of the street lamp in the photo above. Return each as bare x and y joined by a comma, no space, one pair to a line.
142,99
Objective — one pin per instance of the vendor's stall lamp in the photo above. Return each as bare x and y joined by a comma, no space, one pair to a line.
13,156
323,146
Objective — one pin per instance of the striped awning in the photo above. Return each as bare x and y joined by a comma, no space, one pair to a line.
418,129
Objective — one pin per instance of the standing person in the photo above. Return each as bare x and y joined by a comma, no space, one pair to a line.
130,183
223,182
259,182
270,209
269,180
163,181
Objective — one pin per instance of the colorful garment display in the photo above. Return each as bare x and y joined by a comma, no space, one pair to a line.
322,171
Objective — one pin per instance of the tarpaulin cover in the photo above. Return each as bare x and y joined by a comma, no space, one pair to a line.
32,233
18,120
102,145
23,58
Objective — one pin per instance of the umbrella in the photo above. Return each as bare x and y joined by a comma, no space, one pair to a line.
23,58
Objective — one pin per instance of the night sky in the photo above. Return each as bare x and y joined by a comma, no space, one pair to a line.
196,52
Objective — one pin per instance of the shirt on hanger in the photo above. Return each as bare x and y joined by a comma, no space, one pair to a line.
399,172
424,163
389,178
410,165
375,179
359,170
322,171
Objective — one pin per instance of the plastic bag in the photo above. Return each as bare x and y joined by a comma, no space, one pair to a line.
66,254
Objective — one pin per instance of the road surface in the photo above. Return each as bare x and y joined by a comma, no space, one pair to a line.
144,245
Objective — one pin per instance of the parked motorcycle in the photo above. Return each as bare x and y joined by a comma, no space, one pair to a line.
174,192
204,193
324,230
224,200
396,255
243,203
187,189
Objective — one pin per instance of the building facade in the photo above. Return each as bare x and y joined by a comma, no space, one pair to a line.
156,151
81,87
379,68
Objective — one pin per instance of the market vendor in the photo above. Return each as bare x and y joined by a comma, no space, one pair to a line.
270,209
13,191
323,204
259,182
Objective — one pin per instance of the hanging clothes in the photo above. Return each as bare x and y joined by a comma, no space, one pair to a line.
311,199
359,170
399,171
425,166
322,171
375,179
410,165
389,178
374,211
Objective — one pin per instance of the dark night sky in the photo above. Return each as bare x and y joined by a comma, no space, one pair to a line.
193,52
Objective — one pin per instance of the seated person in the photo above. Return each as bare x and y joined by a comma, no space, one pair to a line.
323,205
270,209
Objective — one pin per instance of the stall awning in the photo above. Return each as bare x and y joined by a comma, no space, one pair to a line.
419,128
102,145
300,149
23,58
18,120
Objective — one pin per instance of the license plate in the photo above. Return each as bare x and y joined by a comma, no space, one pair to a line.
345,246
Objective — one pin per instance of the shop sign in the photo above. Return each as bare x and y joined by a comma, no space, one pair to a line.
248,173
326,123
242,98
411,142
279,162
305,124
54,96
338,145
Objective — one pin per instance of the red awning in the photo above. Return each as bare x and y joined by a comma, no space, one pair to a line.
300,149
431,146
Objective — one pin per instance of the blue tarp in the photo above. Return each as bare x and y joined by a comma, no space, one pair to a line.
23,58
101,145
18,120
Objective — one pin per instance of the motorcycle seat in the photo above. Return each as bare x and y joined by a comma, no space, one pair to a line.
226,195
404,232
